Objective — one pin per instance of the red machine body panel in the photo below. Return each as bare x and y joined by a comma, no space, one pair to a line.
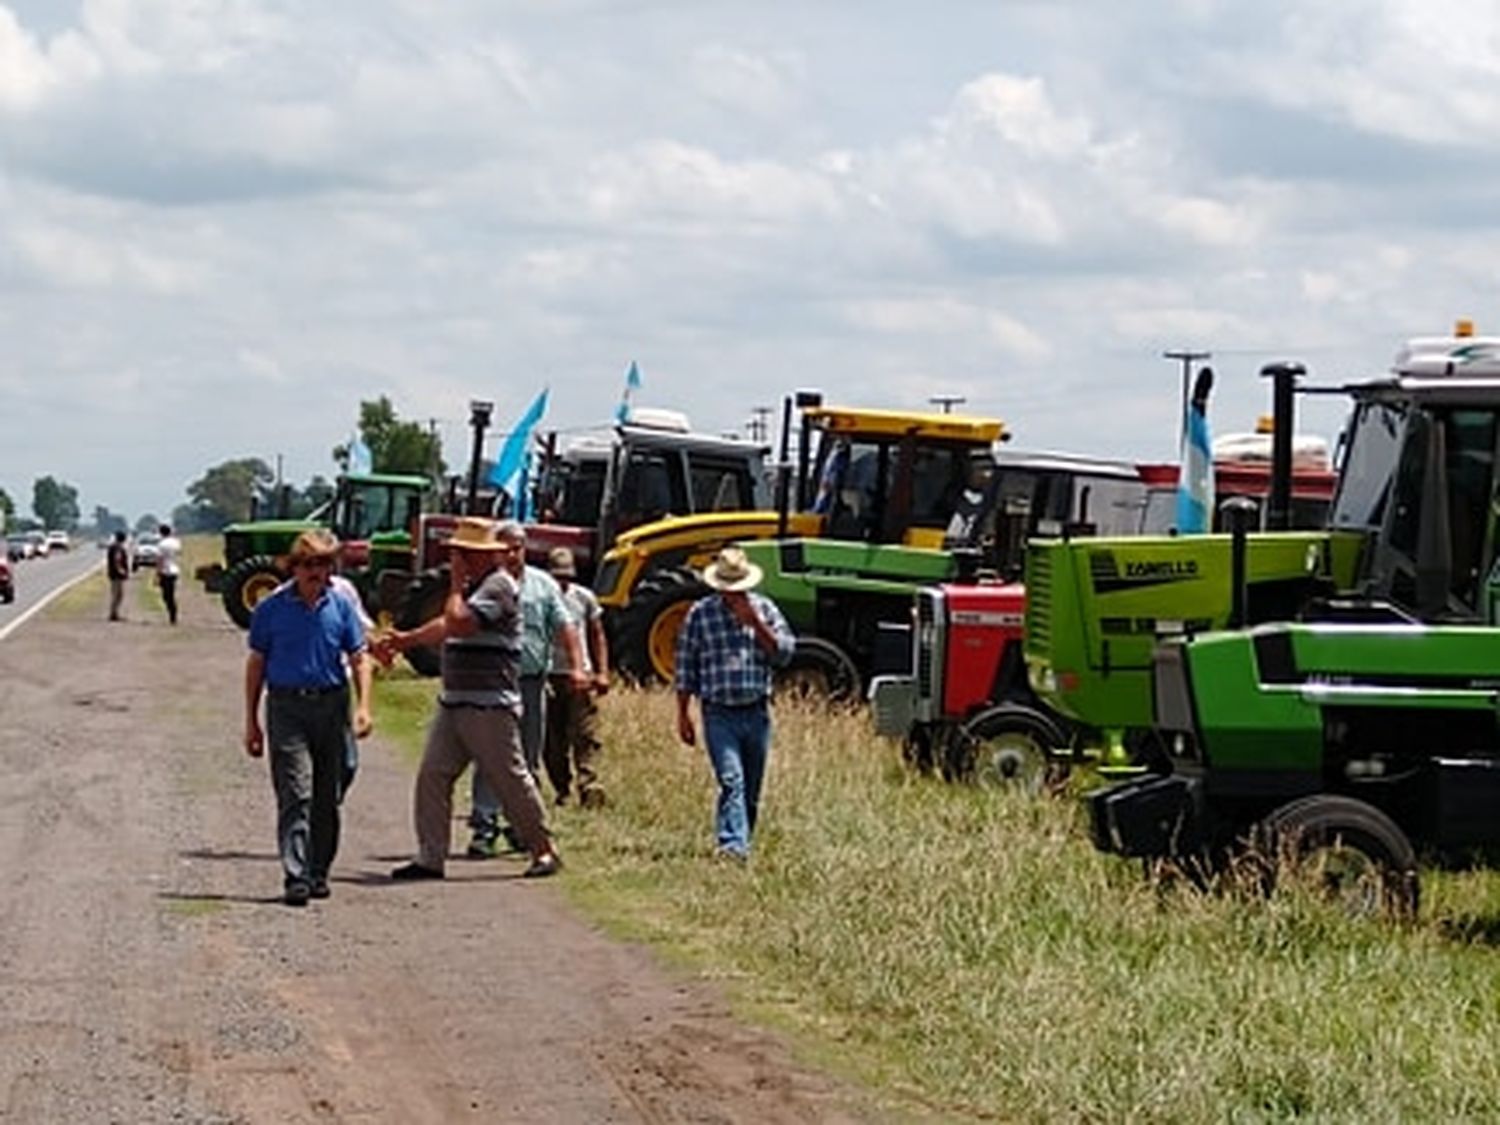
983,619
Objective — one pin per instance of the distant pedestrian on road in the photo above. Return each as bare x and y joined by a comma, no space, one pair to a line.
729,643
478,712
117,566
572,715
168,568
300,637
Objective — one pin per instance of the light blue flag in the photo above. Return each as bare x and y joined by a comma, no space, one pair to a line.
632,384
360,461
1195,478
509,470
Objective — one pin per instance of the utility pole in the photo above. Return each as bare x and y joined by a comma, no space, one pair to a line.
760,425
1187,359
947,402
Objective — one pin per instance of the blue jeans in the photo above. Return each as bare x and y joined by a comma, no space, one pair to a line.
484,816
739,742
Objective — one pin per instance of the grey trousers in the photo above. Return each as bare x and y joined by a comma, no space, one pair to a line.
307,736
485,815
489,739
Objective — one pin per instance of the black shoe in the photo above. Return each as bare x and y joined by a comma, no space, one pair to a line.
297,893
543,866
319,889
416,871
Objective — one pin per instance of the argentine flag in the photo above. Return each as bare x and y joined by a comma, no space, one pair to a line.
632,384
360,462
509,472
1195,477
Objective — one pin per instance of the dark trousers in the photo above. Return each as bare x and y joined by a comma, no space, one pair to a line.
168,583
307,737
572,740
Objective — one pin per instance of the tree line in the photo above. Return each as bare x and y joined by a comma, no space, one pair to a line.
245,488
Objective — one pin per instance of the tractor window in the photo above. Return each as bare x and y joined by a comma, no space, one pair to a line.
653,488
1470,469
366,509
1406,493
938,478
1369,452
576,494
720,487
1114,506
856,492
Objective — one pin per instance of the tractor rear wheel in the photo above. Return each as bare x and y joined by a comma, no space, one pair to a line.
819,670
1349,851
645,631
1009,745
246,583
423,601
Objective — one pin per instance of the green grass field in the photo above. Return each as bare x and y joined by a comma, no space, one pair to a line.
968,954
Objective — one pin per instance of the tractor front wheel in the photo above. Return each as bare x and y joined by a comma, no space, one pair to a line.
819,670
1009,746
246,583
1347,850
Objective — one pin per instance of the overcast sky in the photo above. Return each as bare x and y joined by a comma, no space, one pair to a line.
223,223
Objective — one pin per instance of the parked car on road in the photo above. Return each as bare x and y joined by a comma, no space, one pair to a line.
7,580
40,548
58,541
17,547
145,551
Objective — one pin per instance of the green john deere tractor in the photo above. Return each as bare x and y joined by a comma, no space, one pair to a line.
1349,738
372,515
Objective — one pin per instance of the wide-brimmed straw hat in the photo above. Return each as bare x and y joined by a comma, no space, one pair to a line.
315,543
560,563
475,533
732,572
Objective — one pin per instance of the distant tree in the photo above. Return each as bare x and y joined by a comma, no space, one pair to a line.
106,522
229,492
55,503
7,510
395,446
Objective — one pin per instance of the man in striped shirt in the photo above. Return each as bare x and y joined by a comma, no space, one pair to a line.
729,644
479,708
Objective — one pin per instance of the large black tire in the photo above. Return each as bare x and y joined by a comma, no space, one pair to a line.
1010,745
1351,851
644,633
819,670
246,583
423,601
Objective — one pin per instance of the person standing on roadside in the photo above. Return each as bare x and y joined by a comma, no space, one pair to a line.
168,569
301,634
117,566
545,623
478,714
730,641
572,715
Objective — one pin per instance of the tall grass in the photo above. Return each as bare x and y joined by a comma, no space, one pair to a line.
970,950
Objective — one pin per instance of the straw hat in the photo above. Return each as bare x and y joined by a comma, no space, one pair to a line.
732,572
315,543
475,533
560,563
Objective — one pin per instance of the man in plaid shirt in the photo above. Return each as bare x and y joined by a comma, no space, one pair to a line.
729,643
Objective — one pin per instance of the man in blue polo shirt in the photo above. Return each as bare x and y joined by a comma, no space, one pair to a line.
299,636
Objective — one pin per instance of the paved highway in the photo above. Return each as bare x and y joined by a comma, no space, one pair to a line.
39,580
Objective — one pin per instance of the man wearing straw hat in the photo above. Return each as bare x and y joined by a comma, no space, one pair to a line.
299,637
730,642
479,707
